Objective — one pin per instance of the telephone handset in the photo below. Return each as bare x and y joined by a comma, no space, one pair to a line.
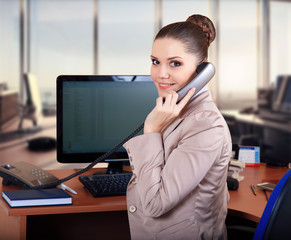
205,71
25,175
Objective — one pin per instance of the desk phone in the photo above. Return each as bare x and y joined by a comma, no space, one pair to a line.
25,175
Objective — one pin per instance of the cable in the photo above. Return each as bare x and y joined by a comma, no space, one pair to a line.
97,160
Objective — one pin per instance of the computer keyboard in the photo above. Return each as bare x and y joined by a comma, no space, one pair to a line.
107,184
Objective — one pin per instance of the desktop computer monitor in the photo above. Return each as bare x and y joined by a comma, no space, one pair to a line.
286,100
277,140
95,113
282,95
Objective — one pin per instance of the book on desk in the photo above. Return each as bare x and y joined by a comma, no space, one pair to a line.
41,197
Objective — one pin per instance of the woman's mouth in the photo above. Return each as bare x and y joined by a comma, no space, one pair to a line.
165,85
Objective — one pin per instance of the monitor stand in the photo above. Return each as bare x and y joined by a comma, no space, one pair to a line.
114,167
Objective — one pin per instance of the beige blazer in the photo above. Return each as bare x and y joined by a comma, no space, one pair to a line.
178,189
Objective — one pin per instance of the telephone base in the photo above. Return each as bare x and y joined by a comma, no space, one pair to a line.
6,182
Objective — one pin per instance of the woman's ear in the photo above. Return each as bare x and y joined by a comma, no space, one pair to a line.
205,60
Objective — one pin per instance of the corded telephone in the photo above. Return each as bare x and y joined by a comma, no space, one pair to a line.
30,176
205,71
25,175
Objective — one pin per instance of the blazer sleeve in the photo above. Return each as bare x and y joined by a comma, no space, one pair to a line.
162,186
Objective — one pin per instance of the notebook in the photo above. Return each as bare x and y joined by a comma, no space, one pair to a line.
40,197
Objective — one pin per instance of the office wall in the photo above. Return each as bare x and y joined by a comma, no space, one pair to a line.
115,37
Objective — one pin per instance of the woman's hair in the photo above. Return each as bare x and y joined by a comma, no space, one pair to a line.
197,32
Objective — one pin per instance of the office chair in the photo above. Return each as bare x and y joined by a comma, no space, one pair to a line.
275,220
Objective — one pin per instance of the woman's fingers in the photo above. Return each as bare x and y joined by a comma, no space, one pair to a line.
165,111
170,102
159,101
171,99
186,99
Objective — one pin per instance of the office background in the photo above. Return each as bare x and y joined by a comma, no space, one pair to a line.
51,37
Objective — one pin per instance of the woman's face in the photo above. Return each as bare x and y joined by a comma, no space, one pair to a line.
172,67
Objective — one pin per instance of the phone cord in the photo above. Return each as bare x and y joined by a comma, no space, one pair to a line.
97,160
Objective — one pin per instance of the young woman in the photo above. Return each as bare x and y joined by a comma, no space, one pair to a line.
178,189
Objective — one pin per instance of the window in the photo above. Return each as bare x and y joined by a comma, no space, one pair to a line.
280,39
10,46
61,41
174,11
125,35
238,60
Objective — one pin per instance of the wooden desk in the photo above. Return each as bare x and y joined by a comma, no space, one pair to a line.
87,218
106,218
243,203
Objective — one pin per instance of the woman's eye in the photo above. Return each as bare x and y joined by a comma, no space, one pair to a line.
175,64
155,62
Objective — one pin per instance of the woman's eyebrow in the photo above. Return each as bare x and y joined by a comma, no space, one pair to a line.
170,58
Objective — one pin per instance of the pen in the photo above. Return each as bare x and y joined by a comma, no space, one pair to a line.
65,187
266,195
253,189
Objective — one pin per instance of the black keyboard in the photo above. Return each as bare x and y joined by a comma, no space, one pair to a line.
107,184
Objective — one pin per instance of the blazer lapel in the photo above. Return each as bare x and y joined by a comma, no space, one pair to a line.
171,128
190,107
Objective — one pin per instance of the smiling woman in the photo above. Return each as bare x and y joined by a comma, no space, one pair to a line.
172,67
178,189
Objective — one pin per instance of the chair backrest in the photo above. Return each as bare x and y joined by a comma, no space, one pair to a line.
275,222
32,91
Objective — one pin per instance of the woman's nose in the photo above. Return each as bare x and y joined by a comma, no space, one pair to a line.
163,72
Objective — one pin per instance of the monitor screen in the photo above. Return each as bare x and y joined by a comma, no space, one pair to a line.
282,95
286,99
95,113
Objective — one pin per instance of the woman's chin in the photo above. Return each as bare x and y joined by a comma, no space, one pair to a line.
164,93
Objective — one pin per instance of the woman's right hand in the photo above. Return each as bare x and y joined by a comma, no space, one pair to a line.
165,111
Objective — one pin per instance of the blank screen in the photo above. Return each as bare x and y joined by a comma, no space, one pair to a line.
98,115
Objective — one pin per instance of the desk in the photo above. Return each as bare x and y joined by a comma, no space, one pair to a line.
87,218
243,203
107,217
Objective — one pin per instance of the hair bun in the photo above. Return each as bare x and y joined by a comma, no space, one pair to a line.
206,24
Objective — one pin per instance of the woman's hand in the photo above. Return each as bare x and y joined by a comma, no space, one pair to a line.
165,112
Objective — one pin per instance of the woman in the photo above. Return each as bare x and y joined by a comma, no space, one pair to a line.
178,189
